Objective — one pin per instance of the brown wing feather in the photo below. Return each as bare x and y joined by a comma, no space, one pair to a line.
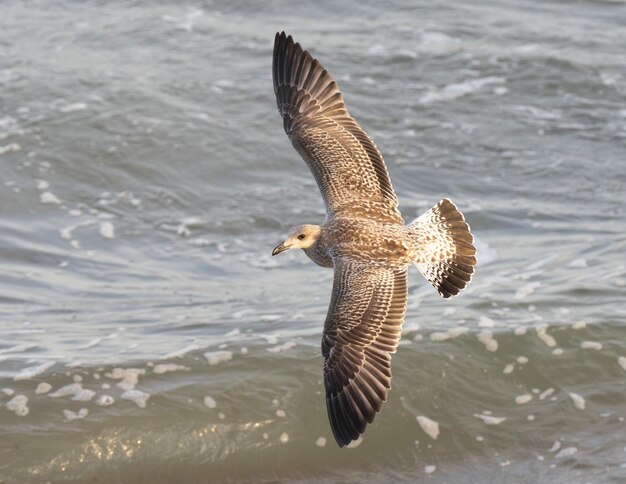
345,162
361,331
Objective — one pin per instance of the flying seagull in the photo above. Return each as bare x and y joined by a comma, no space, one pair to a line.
363,238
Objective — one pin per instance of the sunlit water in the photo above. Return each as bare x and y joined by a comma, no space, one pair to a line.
146,335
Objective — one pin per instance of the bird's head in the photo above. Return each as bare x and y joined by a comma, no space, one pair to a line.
300,237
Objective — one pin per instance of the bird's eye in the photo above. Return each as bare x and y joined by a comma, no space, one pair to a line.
301,237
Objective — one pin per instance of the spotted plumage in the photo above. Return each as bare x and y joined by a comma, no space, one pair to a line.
364,239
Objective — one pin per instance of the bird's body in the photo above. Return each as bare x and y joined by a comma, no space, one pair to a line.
364,239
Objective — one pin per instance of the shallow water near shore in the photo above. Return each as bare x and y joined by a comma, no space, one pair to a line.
146,333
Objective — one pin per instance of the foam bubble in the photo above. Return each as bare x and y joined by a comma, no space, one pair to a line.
508,369
107,230
621,361
430,469
210,402
546,393
216,357
167,367
566,452
70,108
284,347
579,402
84,395
138,397
67,390
49,198
320,442
486,338
129,377
105,400
43,388
490,419
284,437
430,427
450,334
70,415
545,337
281,413
522,399
591,345
19,405
579,325
455,91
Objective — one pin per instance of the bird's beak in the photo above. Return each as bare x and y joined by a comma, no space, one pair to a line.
280,248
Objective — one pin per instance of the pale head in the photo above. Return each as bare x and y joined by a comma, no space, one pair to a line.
300,237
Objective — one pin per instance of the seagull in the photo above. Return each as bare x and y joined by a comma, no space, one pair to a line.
363,238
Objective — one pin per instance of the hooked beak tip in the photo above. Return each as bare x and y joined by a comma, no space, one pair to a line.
280,248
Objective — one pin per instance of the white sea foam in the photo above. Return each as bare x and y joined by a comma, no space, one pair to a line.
566,452
450,334
284,347
522,399
490,419
430,427
281,413
210,402
545,337
508,369
167,367
129,377
591,345
321,441
105,400
546,393
70,108
430,469
185,350
284,437
486,338
70,415
455,91
18,348
49,198
486,322
525,291
31,371
43,388
7,391
67,390
107,230
216,357
19,405
84,395
556,446
12,147
138,397
579,325
621,361
579,402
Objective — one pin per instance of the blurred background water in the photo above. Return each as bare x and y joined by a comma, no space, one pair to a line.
147,335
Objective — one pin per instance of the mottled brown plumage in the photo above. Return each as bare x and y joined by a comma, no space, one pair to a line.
363,238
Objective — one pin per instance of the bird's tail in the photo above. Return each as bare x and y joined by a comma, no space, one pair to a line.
443,249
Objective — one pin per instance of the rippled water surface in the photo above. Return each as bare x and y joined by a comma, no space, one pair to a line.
147,335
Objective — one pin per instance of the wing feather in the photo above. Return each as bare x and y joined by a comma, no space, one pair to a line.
348,168
361,331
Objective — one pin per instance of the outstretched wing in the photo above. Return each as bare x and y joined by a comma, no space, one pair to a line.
361,331
345,162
